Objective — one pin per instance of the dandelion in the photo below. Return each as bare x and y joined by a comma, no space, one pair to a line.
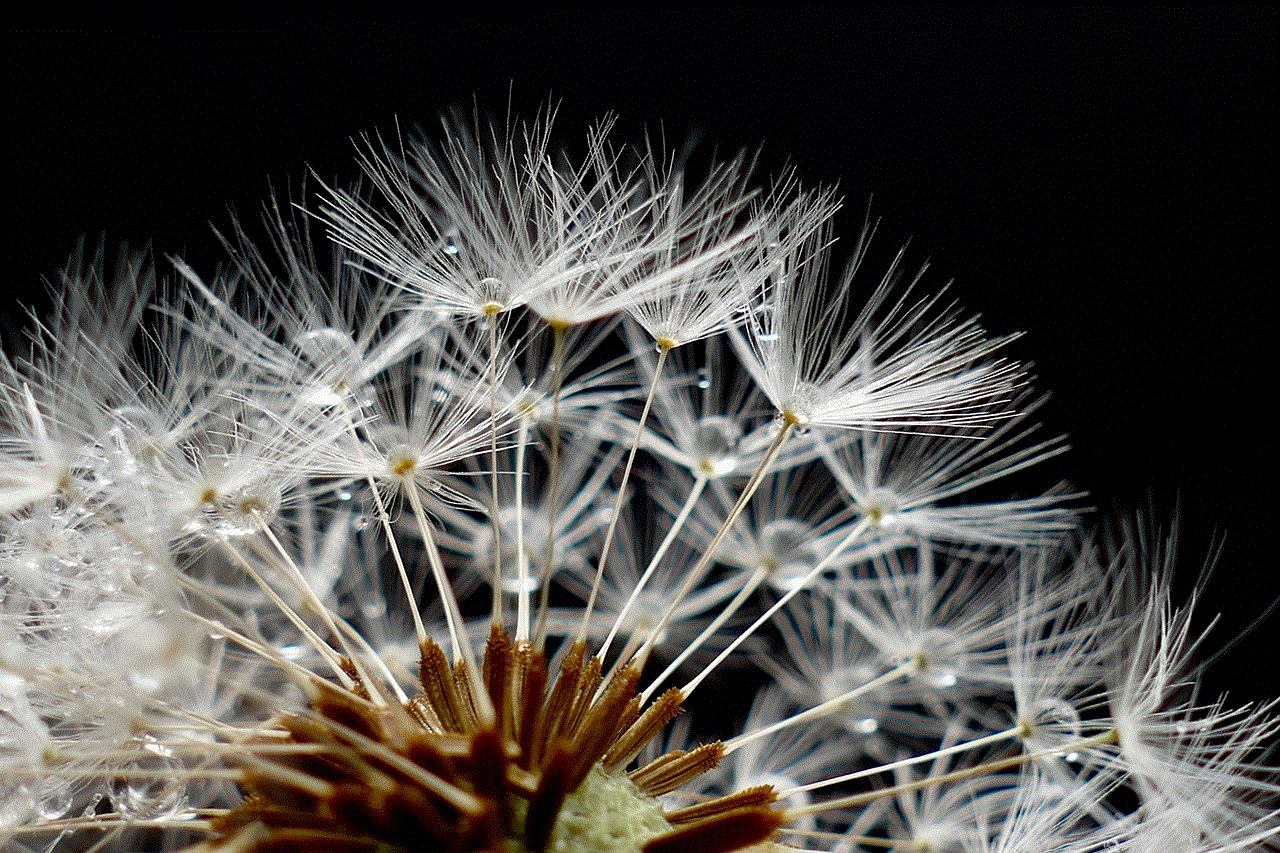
400,543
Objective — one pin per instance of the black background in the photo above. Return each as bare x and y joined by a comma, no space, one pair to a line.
1096,178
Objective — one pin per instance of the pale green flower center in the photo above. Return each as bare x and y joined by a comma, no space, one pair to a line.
606,814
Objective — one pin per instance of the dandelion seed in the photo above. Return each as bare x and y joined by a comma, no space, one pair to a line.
824,360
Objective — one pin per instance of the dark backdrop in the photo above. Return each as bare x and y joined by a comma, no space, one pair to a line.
1096,178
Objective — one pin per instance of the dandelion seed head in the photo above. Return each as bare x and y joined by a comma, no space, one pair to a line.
478,541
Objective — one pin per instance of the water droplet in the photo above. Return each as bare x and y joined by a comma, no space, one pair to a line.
493,293
388,436
139,439
328,371
535,548
704,378
788,550
863,726
326,346
939,658
645,613
860,714
56,801
136,419
1053,722
436,323
155,796
715,445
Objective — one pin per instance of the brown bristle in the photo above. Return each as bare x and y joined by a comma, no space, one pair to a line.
425,753
644,729
721,834
437,684
423,714
303,840
602,724
761,795
558,703
532,693
341,709
521,781
354,805
587,686
470,716
655,770
489,776
630,713
413,816
499,670
670,771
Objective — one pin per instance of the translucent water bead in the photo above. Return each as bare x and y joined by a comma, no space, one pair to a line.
645,613
1048,724
536,529
158,791
788,551
160,650
939,837
938,659
45,548
329,368
860,714
138,441
715,445
56,799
